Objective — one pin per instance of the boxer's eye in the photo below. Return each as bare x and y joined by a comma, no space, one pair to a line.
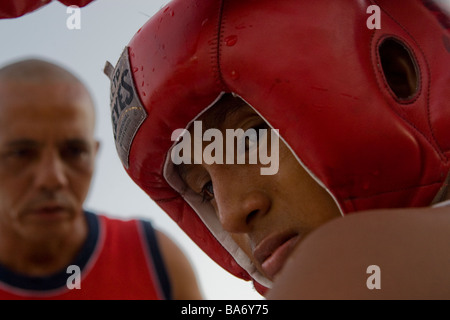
399,68
207,192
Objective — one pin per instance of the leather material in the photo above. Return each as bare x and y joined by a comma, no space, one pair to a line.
17,8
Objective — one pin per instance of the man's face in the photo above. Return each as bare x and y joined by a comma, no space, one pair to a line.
47,154
267,215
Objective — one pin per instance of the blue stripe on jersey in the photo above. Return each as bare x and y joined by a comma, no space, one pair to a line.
158,261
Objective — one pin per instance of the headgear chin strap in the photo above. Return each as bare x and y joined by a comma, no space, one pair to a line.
359,90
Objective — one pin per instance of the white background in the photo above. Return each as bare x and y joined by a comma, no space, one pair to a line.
107,26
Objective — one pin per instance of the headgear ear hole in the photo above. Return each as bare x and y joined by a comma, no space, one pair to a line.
399,68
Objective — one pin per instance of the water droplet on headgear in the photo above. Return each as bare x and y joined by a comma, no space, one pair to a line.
366,185
234,75
231,40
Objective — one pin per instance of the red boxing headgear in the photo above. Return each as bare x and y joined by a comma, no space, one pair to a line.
16,8
322,72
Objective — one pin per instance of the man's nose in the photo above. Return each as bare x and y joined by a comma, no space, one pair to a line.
51,171
241,200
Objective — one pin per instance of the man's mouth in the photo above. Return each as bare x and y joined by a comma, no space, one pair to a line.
51,209
272,252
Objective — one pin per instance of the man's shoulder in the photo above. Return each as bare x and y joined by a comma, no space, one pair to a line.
383,223
406,248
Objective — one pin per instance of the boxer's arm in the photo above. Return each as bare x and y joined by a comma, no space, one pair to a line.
403,252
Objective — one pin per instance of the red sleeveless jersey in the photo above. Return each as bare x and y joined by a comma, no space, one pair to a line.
119,260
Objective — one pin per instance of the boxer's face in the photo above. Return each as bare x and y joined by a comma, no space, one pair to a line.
267,215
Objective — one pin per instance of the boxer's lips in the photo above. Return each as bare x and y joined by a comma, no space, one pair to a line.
272,252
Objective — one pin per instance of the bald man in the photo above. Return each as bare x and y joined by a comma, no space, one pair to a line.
50,246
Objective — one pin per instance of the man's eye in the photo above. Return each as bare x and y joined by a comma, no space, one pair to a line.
207,191
22,154
73,151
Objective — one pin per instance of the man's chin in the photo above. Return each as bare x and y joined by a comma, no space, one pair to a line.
44,225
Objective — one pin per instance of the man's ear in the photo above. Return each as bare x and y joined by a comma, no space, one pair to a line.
399,68
96,147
